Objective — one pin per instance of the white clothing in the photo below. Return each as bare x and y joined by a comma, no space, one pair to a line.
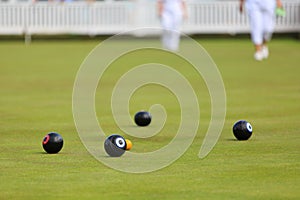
262,19
174,6
171,20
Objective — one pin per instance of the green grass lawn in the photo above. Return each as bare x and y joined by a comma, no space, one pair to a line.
36,83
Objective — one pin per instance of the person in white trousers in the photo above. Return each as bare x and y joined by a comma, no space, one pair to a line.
262,21
171,13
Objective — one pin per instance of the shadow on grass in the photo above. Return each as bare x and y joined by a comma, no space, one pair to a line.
45,153
39,152
231,139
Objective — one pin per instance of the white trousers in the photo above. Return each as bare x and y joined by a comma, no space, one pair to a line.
171,22
262,19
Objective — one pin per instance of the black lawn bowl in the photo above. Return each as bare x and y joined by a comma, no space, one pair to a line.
115,145
242,130
53,143
142,118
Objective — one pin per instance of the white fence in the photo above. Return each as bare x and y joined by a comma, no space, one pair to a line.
109,18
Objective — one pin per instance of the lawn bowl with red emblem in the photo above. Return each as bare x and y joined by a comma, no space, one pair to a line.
53,143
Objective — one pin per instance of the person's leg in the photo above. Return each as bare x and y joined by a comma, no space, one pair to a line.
174,40
268,24
166,38
175,33
256,25
166,35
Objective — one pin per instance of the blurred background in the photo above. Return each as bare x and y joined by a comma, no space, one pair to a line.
105,17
